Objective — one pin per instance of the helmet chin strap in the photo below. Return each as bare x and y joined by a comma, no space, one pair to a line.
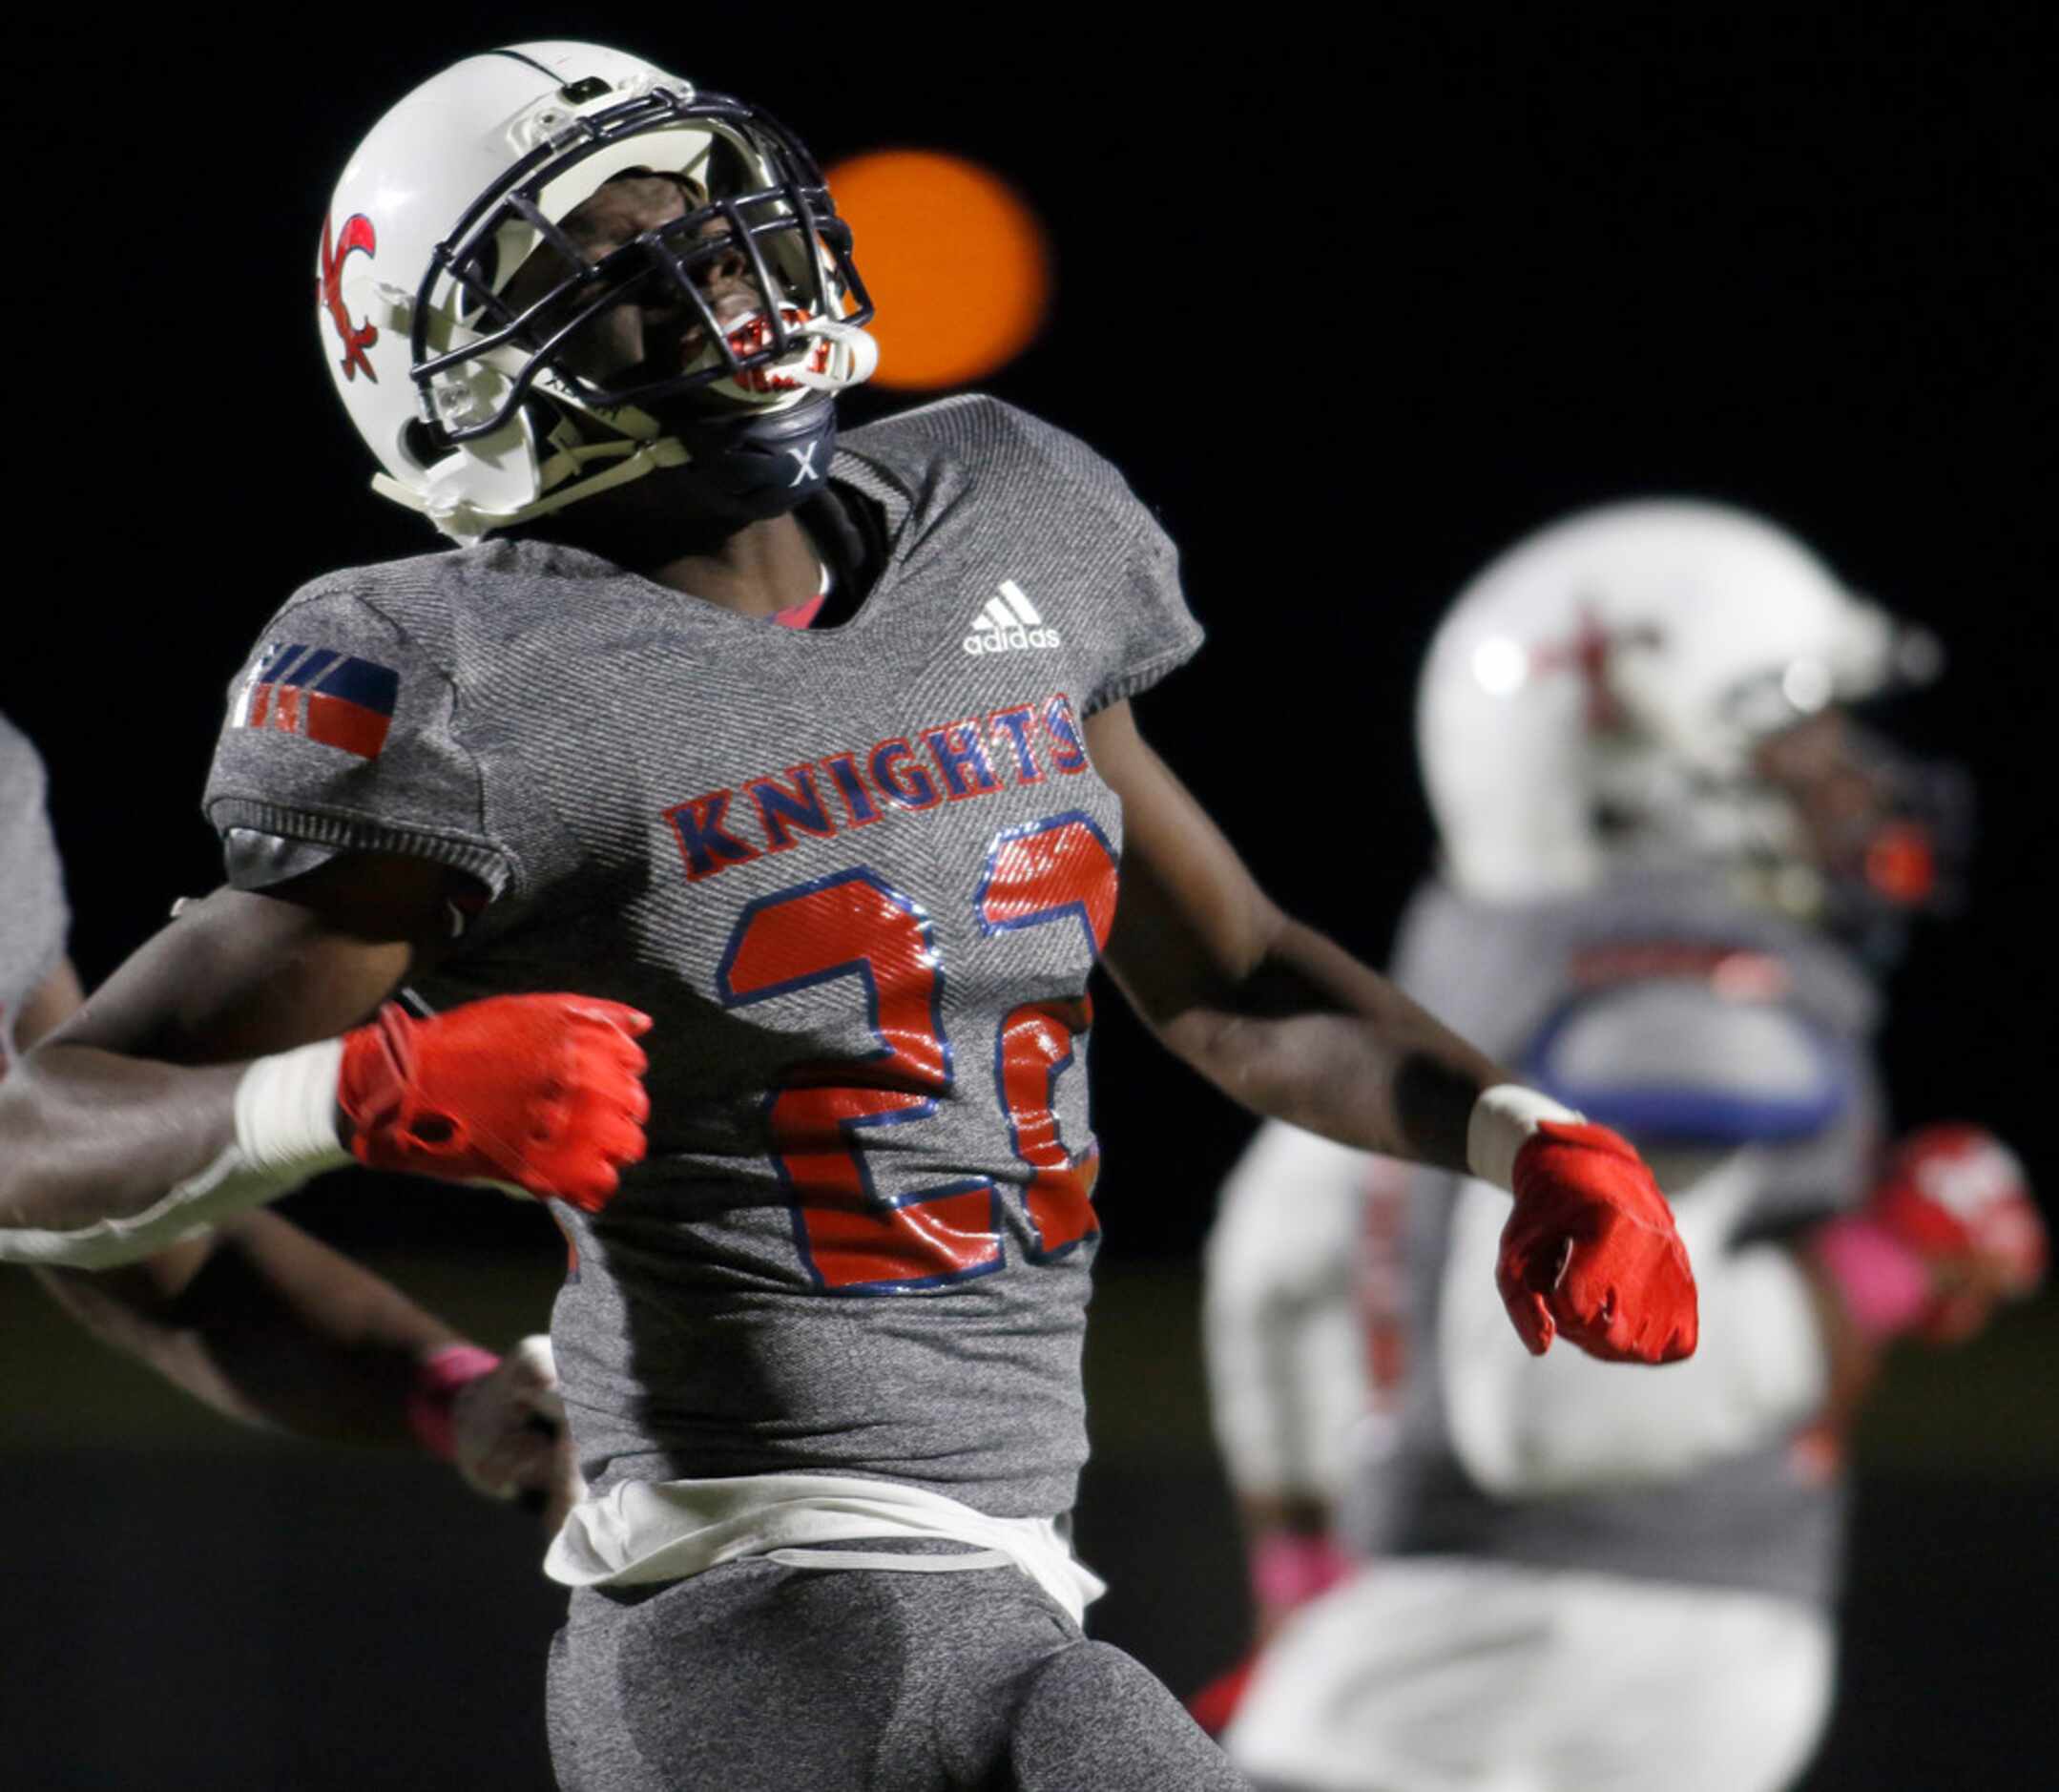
734,470
560,477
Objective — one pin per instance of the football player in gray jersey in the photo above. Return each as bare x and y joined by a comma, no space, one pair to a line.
1662,834
254,1317
812,762
38,987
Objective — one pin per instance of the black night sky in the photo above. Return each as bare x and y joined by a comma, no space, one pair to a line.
1354,299
1351,314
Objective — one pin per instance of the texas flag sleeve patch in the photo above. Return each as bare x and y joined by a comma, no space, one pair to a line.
336,699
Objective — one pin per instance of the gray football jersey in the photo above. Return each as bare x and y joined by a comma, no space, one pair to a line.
34,919
859,877
1513,981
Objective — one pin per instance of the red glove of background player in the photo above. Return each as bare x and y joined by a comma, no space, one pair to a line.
1590,1250
1958,1197
545,1091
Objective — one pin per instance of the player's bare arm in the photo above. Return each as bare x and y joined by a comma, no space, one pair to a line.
272,1329
254,1318
1282,1018
136,1090
181,1073
54,1002
268,1326
1290,1024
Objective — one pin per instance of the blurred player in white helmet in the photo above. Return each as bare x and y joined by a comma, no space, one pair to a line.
812,761
254,1317
1672,866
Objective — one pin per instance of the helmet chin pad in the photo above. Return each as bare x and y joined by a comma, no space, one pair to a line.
756,466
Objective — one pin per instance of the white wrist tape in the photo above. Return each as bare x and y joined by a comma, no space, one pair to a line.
285,1113
1502,1122
285,1132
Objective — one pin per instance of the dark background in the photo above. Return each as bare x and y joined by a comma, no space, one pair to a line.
1352,308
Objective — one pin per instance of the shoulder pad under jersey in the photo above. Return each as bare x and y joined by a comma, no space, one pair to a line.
1677,1060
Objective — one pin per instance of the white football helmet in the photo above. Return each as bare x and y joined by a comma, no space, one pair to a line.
1603,689
470,405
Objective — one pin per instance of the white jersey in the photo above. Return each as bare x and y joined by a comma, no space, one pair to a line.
1586,1571
1359,1350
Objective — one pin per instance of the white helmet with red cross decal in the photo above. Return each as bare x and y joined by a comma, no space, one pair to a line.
1606,688
485,414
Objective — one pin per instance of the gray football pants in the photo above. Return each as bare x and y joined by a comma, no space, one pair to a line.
761,1677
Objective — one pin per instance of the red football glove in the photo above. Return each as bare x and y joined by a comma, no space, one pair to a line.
1958,1197
545,1091
1590,1250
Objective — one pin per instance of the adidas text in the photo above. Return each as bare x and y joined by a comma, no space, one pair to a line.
1000,640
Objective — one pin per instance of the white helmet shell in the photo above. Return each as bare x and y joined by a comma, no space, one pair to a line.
1627,659
384,291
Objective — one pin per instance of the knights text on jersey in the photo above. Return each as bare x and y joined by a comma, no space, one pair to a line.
34,919
859,876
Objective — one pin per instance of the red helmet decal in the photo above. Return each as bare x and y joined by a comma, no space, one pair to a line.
357,338
1592,654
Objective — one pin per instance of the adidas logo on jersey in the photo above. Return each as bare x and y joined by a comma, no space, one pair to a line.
1009,620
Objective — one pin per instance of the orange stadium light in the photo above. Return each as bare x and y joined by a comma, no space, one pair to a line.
957,262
